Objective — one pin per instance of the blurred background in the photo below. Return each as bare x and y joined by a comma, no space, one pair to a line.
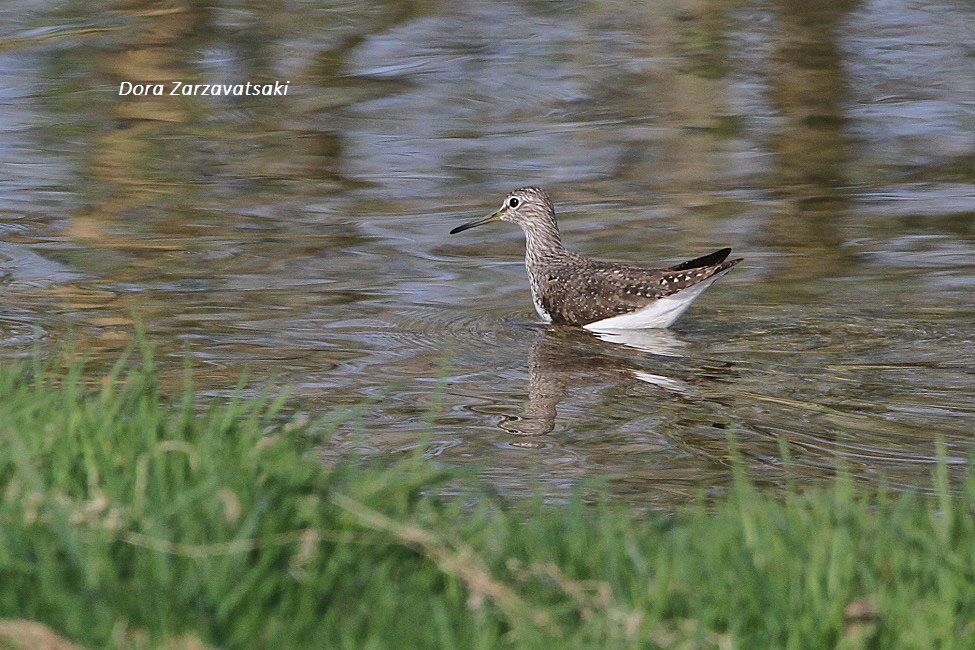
302,239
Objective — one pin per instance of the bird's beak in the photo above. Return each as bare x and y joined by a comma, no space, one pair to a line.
478,222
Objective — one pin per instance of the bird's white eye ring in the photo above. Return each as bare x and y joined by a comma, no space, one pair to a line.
513,202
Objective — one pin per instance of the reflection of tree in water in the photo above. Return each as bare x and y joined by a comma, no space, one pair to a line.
691,96
117,166
812,150
671,99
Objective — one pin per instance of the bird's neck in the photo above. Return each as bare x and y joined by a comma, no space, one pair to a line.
542,241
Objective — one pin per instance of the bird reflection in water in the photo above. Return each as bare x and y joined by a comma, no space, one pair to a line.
561,357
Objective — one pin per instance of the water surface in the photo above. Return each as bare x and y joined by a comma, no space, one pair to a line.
303,239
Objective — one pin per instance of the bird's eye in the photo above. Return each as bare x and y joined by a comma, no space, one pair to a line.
513,202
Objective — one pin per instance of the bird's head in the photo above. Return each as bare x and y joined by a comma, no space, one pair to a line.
529,207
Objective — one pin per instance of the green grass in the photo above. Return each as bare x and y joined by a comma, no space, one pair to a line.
130,520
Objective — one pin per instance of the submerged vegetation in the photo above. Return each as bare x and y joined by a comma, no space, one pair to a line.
129,519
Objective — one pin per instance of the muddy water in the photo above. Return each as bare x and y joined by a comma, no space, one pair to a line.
303,238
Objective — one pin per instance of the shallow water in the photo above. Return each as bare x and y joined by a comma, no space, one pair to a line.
303,238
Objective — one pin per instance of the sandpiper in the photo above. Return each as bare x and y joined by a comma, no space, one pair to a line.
572,289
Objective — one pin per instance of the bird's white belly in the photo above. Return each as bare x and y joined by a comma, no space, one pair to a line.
537,301
536,293
660,313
